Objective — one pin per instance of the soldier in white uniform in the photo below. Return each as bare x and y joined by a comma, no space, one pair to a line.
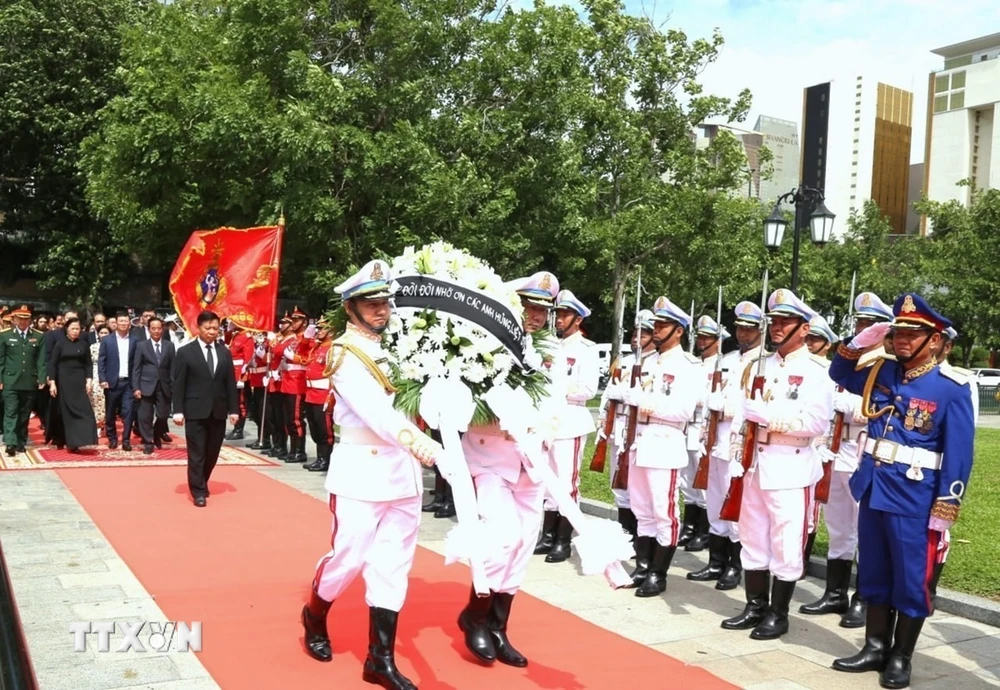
708,337
510,503
795,408
375,482
666,400
583,372
726,567
841,511
620,373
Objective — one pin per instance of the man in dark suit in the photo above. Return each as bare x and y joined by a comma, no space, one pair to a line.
152,380
204,390
114,370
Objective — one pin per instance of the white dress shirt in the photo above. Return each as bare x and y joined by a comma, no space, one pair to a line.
123,344
204,353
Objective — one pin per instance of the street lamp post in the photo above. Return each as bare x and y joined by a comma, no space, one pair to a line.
820,224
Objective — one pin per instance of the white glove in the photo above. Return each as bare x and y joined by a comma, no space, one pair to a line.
755,410
633,396
311,331
277,376
716,401
614,392
735,470
426,450
239,385
844,402
939,524
825,454
260,352
873,335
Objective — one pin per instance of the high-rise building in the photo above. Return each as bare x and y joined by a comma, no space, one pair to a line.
871,129
963,121
781,137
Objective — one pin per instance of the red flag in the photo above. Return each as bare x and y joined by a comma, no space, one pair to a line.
231,272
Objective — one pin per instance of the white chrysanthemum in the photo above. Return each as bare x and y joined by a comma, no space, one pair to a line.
411,370
502,362
476,372
437,334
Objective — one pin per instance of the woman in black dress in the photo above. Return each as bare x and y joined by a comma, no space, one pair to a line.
70,371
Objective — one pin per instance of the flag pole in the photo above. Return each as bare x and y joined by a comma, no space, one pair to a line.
276,262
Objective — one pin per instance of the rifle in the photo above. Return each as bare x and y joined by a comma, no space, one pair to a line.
837,430
601,449
621,475
701,475
734,499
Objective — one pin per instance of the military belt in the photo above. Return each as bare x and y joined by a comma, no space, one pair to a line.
890,453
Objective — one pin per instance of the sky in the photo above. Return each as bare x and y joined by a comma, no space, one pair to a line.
776,48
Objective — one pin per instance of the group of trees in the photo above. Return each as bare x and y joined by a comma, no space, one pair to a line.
544,137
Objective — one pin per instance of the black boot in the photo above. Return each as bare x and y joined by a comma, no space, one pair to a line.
499,615
643,555
447,509
734,571
896,673
656,583
549,524
806,554
439,487
380,666
834,599
295,452
873,655
718,556
626,518
775,622
690,525
474,622
300,454
855,616
314,622
700,539
322,461
757,582
560,549
280,451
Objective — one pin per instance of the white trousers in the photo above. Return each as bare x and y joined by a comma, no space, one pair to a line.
773,528
653,494
566,456
377,540
621,495
841,515
692,496
715,496
512,512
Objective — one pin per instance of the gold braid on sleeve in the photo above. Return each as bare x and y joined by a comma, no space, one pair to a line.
866,395
848,353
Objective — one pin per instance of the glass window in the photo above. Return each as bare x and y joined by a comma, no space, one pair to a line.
958,62
958,80
941,83
958,100
940,104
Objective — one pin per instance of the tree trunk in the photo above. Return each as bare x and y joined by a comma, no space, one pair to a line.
968,353
618,278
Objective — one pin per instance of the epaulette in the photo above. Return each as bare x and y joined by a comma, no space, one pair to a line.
822,361
35,331
341,346
963,370
4,330
691,358
588,341
961,377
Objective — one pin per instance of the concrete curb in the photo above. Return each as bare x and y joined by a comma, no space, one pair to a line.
968,606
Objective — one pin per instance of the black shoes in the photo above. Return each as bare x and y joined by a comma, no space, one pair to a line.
733,573
893,663
757,582
474,622
775,621
296,452
380,665
234,435
484,622
718,557
855,616
200,501
561,547
656,582
320,464
550,521
873,655
439,484
896,673
314,622
834,599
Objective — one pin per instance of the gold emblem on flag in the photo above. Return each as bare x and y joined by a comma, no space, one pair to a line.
908,306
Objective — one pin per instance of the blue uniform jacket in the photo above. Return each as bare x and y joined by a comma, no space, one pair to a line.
933,412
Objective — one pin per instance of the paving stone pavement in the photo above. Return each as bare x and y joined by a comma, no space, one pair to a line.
63,570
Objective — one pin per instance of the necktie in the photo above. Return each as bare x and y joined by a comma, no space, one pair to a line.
211,360
157,352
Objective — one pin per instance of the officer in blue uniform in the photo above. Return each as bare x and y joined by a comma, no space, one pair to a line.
911,479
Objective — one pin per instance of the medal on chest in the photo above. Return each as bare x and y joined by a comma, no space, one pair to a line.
919,416
793,387
570,363
668,381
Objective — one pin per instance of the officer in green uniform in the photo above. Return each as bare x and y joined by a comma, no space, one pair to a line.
22,373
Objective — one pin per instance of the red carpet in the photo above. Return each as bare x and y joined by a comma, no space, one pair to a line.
40,456
243,566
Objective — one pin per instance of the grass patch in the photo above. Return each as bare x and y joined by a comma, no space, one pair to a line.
973,565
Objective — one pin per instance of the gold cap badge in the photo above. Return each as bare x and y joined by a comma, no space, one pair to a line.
866,300
546,282
908,306
377,271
